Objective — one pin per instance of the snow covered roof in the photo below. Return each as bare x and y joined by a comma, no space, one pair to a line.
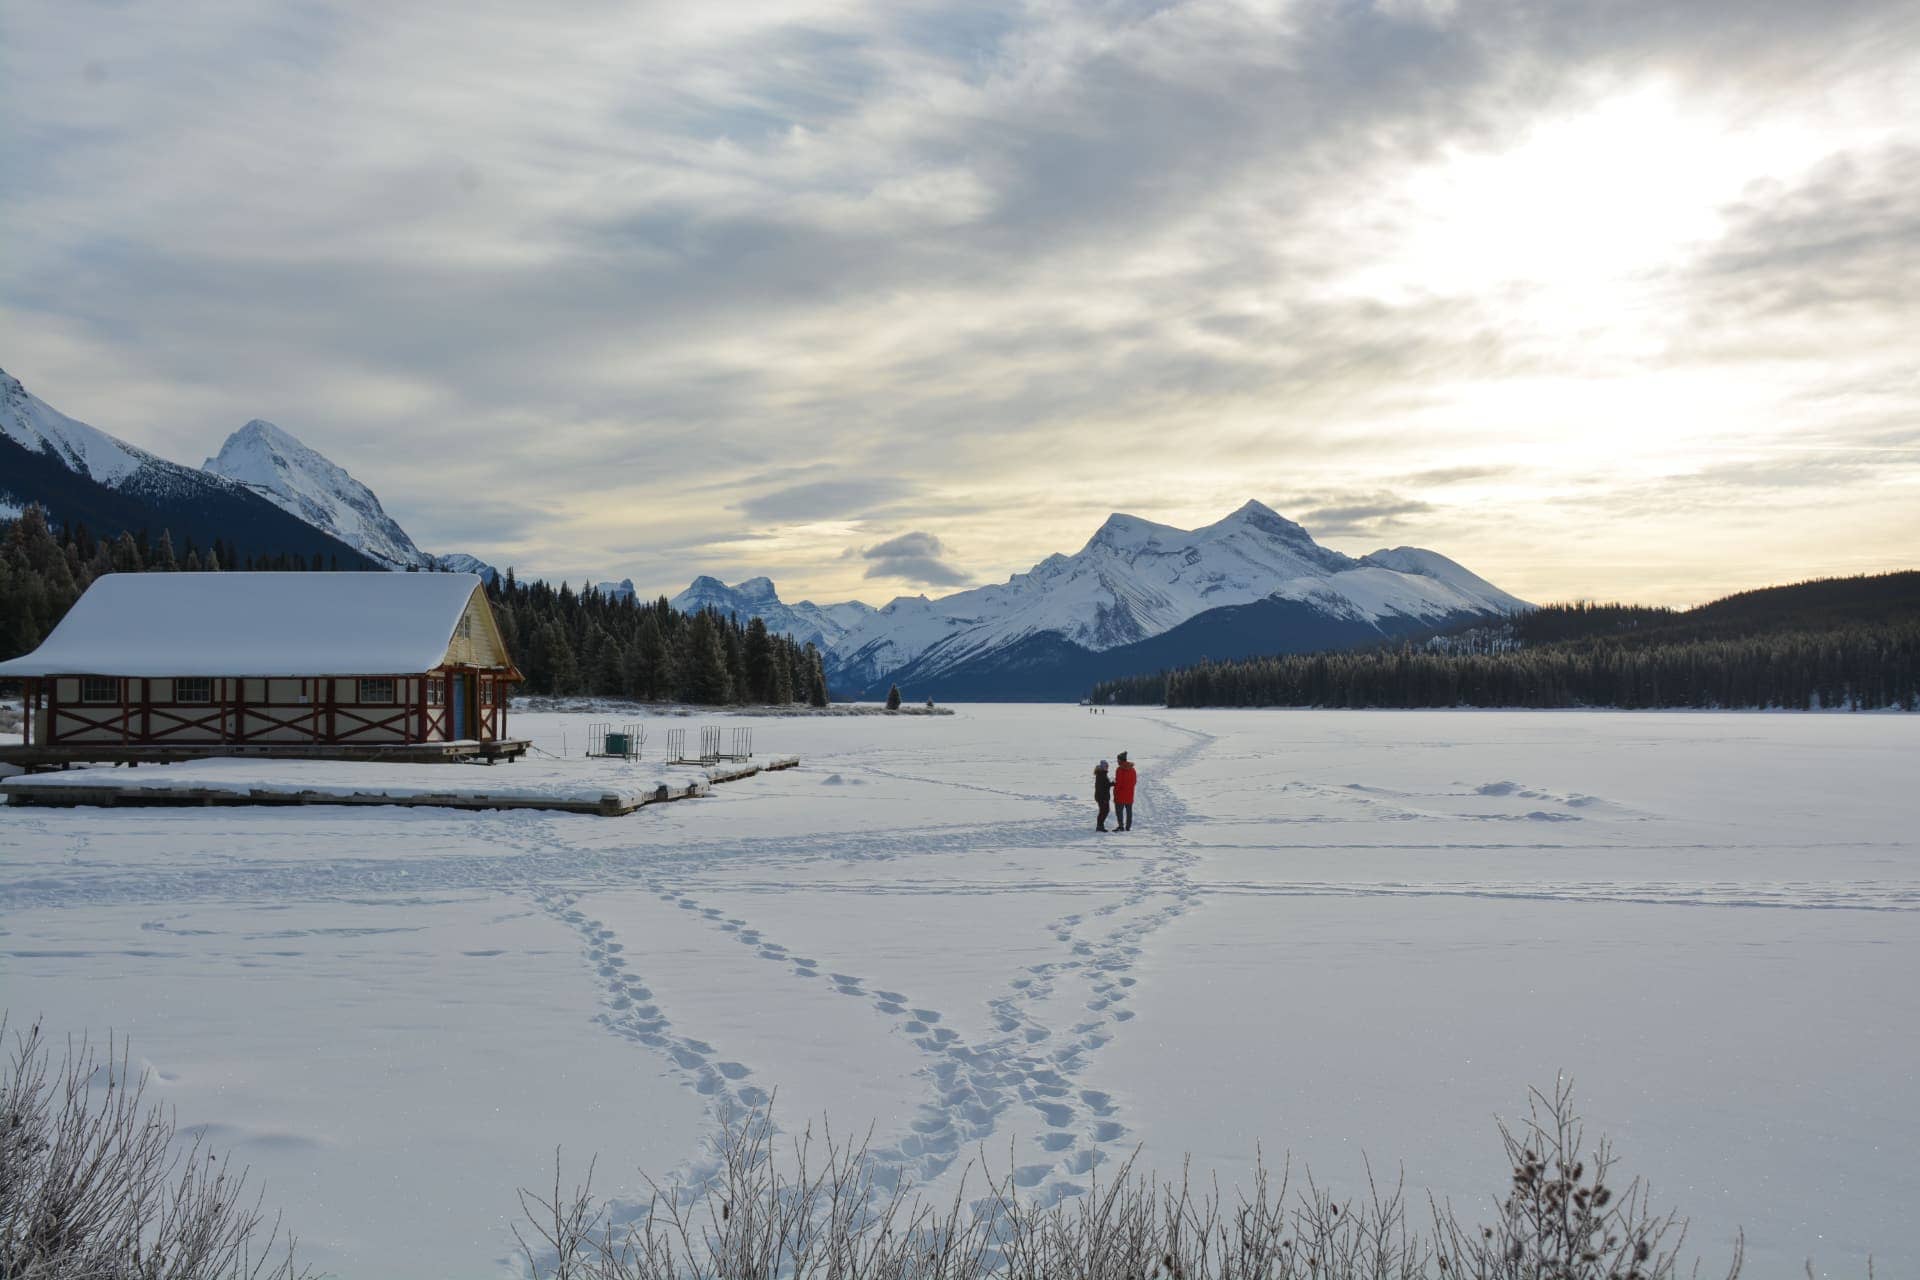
255,624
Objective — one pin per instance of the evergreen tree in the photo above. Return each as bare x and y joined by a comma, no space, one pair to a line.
707,678
126,555
758,658
893,698
816,676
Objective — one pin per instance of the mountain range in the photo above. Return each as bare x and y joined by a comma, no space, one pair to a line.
264,493
1137,597
823,626
82,475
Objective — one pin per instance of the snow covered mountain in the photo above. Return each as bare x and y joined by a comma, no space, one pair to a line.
1137,597
621,590
461,562
81,474
807,622
33,424
1136,580
286,472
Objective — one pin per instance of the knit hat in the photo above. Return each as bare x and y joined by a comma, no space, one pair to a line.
1123,757
1101,765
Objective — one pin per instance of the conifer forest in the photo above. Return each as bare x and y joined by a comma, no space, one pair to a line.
1836,643
565,643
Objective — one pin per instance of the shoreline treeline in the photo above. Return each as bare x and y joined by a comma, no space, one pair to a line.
587,644
1835,643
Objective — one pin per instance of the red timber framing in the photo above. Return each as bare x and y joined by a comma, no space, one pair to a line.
259,711
486,692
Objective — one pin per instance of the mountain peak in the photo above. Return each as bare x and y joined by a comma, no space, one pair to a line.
1255,514
258,442
621,590
261,429
757,597
1122,532
274,463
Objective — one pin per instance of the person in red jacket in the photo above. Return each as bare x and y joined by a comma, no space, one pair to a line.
1123,780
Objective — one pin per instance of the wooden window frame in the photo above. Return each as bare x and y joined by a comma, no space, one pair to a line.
184,688
368,683
90,687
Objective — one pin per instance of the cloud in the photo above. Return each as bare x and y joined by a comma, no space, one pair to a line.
825,499
1441,476
914,557
1372,513
1845,235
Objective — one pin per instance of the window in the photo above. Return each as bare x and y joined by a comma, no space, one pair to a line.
376,690
193,689
99,689
436,692
466,626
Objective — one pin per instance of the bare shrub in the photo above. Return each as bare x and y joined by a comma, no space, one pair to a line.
840,1217
1563,1218
93,1185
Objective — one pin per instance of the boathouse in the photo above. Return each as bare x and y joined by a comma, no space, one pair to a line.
163,665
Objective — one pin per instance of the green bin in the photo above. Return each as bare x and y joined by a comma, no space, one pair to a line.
617,744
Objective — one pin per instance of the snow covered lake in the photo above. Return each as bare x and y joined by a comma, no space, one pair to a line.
1331,933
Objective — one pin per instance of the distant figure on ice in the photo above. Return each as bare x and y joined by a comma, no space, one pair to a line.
1123,780
1102,792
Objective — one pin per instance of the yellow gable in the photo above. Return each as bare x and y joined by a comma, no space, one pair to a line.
476,639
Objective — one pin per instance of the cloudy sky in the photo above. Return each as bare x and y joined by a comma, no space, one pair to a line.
1610,299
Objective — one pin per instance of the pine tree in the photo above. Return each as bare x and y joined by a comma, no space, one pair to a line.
893,698
782,692
707,679
758,658
126,555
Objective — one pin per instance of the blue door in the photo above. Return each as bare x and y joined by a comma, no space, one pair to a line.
459,707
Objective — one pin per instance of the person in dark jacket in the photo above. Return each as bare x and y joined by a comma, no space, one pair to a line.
1102,793
1123,783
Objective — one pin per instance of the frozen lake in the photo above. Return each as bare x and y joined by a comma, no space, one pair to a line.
1332,933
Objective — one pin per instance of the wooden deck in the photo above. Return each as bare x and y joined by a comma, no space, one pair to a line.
36,758
50,793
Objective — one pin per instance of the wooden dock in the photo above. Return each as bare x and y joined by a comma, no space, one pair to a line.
128,792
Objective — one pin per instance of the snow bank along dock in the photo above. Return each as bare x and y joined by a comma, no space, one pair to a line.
608,787
299,688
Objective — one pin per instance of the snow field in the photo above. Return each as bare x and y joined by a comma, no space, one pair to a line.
1334,933
383,1065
